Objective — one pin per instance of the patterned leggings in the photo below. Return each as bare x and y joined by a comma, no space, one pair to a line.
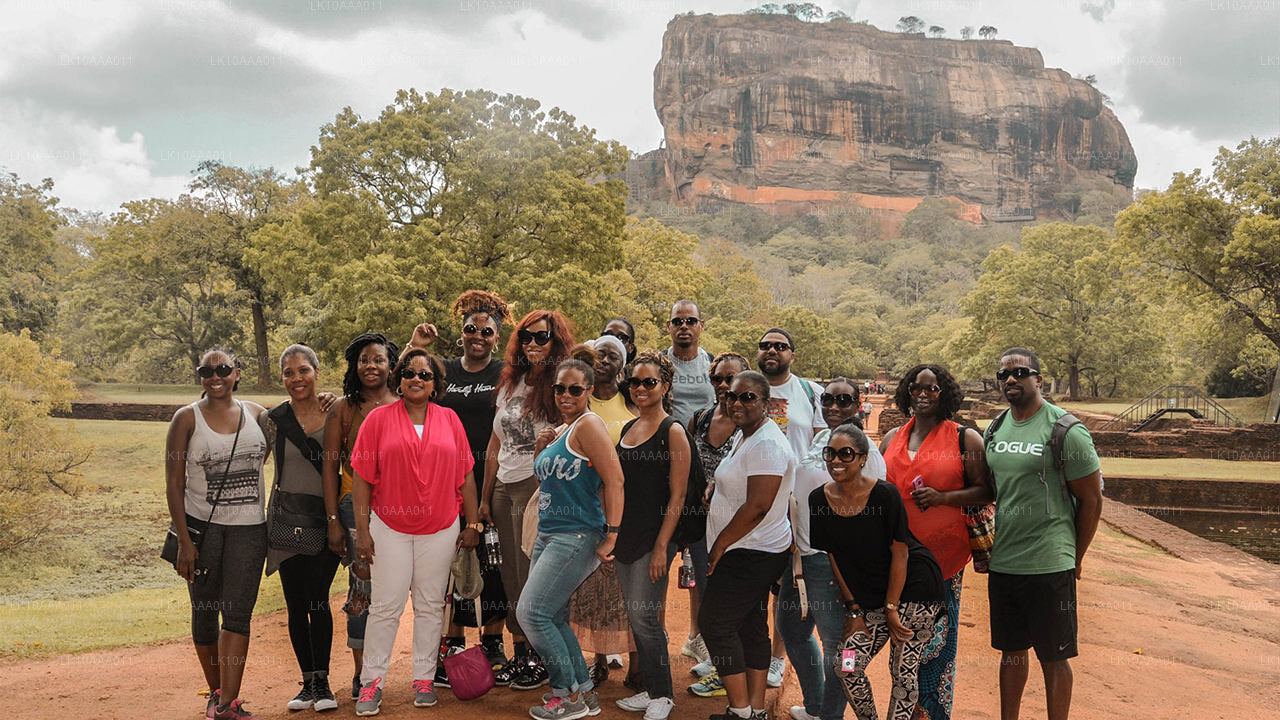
938,669
904,659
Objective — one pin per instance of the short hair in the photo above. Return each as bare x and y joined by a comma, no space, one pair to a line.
854,432
300,349
730,355
666,372
783,333
1031,357
581,366
949,392
757,379
686,301
351,384
437,368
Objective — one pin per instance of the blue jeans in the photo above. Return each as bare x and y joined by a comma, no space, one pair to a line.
560,562
815,671
355,623
644,603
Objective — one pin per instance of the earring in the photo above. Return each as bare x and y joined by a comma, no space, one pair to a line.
459,342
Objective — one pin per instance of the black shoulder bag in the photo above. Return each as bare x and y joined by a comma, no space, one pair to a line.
296,523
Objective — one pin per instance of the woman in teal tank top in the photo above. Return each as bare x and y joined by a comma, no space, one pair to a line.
576,532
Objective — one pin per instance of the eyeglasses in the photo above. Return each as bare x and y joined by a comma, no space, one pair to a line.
221,371
686,321
922,389
573,390
846,454
485,331
625,338
725,379
766,346
843,400
423,375
542,337
742,397
1018,373
648,383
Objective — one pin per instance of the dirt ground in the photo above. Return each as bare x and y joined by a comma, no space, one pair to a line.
1171,626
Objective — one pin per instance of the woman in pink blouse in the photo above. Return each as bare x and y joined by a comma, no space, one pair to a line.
413,473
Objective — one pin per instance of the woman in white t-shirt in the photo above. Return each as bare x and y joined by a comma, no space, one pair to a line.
749,536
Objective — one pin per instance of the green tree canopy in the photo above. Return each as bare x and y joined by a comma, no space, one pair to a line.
33,259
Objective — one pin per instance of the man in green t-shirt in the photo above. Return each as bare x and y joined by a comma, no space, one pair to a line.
1040,537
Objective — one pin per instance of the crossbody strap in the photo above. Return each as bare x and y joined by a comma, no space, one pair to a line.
213,507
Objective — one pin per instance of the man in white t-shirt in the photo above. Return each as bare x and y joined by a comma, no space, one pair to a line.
793,405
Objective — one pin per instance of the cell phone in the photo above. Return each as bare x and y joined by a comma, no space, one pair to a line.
848,660
917,483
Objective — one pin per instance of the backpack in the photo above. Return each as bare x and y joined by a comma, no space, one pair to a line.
1057,445
692,525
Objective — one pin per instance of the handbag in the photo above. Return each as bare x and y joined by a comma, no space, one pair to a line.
297,522
469,671
195,528
980,521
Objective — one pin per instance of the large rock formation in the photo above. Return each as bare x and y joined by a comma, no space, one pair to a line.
769,110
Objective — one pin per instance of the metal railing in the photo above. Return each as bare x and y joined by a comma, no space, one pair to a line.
1168,400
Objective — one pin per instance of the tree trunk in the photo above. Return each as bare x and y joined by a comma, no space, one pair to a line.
1073,381
1273,407
260,345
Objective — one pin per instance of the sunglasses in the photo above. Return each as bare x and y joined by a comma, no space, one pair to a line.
542,337
686,321
718,379
920,388
423,375
573,390
648,383
846,454
742,397
625,338
844,400
1018,373
221,371
485,331
766,346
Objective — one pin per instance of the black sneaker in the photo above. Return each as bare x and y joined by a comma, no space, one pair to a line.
599,673
305,697
532,677
493,650
323,695
502,676
355,687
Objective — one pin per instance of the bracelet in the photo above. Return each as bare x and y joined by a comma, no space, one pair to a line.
891,606
332,518
853,614
612,529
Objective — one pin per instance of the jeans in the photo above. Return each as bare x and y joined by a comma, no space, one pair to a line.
816,672
355,623
561,561
698,553
644,604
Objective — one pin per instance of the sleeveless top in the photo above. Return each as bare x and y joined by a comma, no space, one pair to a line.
239,489
568,488
937,461
709,455
647,490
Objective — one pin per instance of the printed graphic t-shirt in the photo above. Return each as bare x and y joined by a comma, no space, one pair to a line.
796,415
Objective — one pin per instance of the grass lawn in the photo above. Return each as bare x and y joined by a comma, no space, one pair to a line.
1192,469
163,394
96,580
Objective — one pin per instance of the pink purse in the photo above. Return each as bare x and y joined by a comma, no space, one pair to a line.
470,674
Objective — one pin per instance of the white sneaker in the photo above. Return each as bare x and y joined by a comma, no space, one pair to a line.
799,713
659,709
614,660
636,703
703,669
696,649
777,667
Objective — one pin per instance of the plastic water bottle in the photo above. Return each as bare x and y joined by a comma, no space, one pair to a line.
492,547
687,578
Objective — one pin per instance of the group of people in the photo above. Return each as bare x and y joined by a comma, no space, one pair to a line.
598,465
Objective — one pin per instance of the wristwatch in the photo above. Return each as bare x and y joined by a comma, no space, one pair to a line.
478,527
612,529
332,517
891,606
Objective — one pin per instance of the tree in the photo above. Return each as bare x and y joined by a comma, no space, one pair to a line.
987,32
657,268
1069,295
805,11
910,24
937,31
838,15
765,9
33,259
41,458
966,32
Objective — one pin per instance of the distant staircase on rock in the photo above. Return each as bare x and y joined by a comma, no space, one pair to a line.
1171,400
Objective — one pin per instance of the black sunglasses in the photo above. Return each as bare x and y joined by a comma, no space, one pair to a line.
221,371
717,379
625,338
648,383
678,321
423,375
574,390
843,400
1018,373
780,346
930,389
542,337
846,454
485,331
743,397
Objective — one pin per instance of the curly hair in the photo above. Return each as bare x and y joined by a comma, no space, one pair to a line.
666,372
352,386
728,356
541,404
437,368
949,396
492,304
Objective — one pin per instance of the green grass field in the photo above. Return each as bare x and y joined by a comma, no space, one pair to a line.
1192,469
162,394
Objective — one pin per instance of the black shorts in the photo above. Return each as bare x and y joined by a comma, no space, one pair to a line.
1034,611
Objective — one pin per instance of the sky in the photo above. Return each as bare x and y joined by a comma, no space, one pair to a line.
119,100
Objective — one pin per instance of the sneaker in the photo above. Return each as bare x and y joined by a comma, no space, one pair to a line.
355,687
635,703
533,676
591,699
503,676
212,706
493,650
233,711
777,668
760,715
615,661
305,697
370,700
324,696
599,673
799,713
659,709
559,708
703,669
709,686
424,695
727,715
694,648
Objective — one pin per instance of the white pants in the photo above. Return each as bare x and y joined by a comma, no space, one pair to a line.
402,563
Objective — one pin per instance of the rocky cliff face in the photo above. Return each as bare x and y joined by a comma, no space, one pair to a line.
770,110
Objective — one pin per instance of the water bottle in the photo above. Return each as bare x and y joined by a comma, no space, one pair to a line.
492,547
687,578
